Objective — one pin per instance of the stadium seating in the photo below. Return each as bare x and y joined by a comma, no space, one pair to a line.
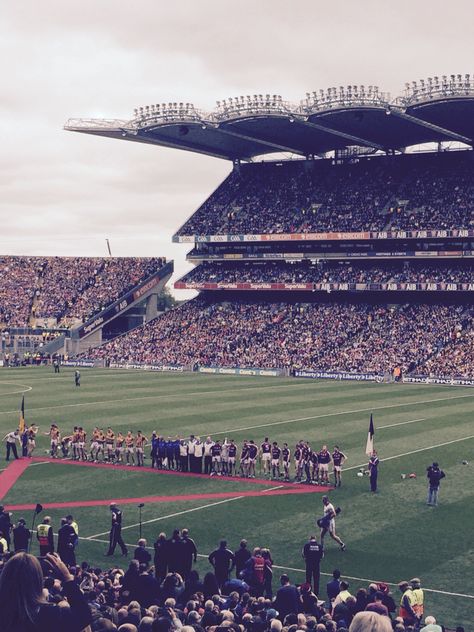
406,192
66,289
353,337
332,272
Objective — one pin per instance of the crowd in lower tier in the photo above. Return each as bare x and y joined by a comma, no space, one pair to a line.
356,337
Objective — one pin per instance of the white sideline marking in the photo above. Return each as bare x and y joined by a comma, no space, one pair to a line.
342,412
173,515
301,570
270,489
372,581
401,423
39,463
167,396
397,456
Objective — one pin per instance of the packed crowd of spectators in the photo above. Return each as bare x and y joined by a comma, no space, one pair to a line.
67,289
18,280
332,336
406,192
161,592
455,358
331,272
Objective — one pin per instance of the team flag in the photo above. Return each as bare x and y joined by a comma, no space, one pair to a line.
369,448
21,425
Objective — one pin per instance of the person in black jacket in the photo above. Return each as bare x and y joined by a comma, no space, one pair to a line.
287,598
160,560
5,524
434,475
22,602
242,555
223,561
67,539
188,554
141,554
21,536
313,553
115,536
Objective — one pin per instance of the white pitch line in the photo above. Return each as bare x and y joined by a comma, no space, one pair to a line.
167,396
342,412
301,570
397,456
173,515
24,390
372,581
270,489
401,423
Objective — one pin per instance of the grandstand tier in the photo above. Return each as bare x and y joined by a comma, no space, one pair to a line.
273,332
365,199
353,259
64,304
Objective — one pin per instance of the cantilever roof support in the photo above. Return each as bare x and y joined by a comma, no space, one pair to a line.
431,126
260,141
354,139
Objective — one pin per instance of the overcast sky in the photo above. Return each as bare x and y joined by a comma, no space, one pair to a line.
63,193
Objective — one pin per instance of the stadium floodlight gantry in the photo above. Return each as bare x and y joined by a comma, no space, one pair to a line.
438,109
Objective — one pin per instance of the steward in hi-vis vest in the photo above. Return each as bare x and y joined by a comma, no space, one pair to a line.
44,534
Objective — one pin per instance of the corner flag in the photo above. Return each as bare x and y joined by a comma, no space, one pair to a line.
21,424
369,448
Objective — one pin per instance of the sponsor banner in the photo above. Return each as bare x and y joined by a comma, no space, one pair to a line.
331,287
237,371
147,367
336,375
450,381
302,256
79,363
397,234
146,287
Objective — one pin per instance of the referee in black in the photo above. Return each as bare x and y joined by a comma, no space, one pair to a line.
313,553
115,536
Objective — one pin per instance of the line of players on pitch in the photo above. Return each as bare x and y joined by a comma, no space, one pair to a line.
216,458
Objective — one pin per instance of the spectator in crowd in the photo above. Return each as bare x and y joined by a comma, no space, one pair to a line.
22,602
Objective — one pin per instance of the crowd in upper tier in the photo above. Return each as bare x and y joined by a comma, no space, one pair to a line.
331,272
353,337
65,288
409,192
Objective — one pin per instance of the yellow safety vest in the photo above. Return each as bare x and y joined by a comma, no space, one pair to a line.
43,530
419,598
411,600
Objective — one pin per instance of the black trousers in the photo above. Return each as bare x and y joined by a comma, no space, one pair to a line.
11,447
207,464
373,481
114,539
313,576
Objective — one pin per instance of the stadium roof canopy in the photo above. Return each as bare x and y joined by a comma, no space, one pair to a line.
434,110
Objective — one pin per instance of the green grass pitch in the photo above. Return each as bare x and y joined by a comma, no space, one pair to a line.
390,536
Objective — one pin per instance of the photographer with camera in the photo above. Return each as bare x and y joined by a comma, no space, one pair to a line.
434,476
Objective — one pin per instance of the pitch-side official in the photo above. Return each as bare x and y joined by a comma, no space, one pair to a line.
313,553
115,536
